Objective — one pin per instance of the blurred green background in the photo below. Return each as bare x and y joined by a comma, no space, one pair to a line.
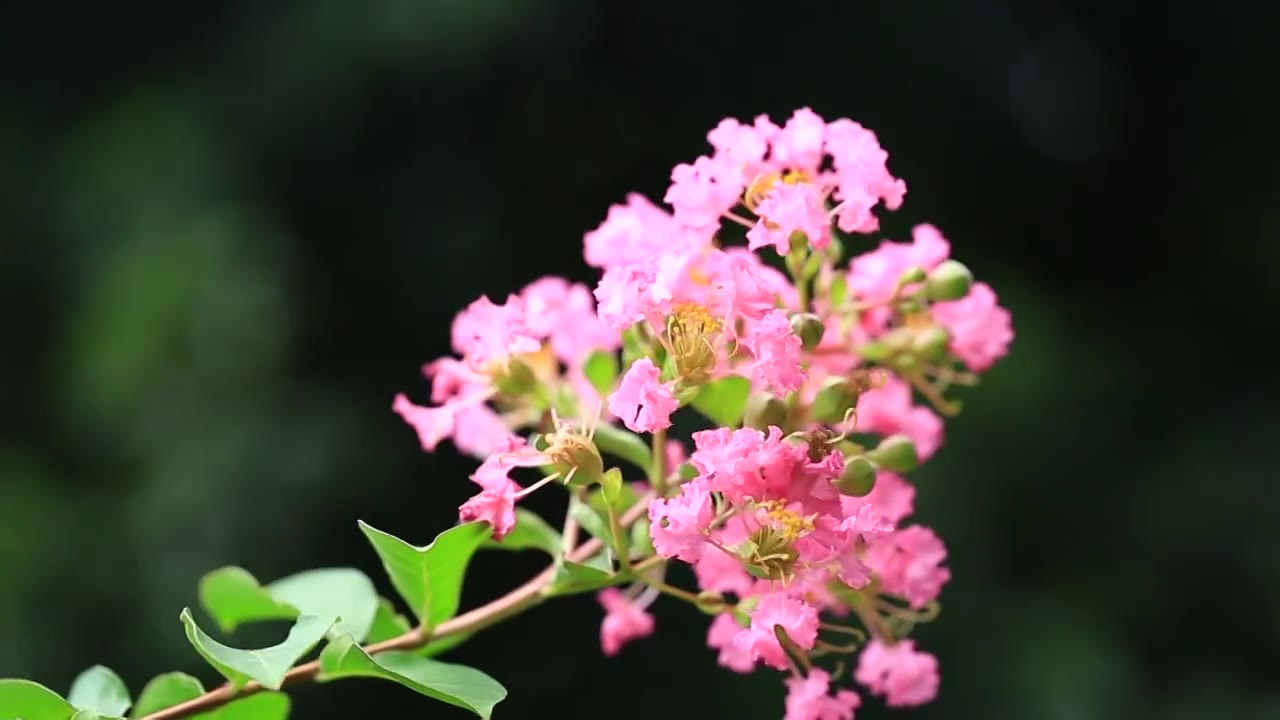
232,231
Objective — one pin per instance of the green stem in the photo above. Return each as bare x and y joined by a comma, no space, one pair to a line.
657,469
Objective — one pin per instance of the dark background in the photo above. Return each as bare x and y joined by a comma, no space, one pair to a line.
232,231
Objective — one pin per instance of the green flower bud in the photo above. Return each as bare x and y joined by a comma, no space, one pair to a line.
799,242
808,328
571,452
833,400
859,477
913,274
516,379
896,453
764,410
948,281
931,343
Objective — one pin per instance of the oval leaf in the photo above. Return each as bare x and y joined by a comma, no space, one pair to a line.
724,400
387,623
344,593
232,596
572,578
267,665
165,691
624,444
601,370
100,690
530,533
429,578
458,685
32,701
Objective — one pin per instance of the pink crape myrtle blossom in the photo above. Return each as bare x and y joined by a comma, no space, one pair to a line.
909,564
980,329
759,301
874,276
721,636
788,209
904,676
486,333
776,351
641,402
889,410
808,699
797,619
624,621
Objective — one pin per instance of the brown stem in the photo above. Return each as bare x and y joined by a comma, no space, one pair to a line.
512,603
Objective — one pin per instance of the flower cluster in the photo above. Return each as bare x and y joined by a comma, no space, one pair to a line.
825,379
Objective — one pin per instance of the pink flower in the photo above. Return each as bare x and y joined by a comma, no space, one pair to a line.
909,564
892,497
862,178
564,313
888,410
980,329
720,636
623,621
636,232
900,673
786,209
874,275
432,424
451,377
479,431
678,525
799,144
798,619
743,144
777,352
719,571
641,402
807,699
485,333
702,192
623,294
674,456
495,505
747,463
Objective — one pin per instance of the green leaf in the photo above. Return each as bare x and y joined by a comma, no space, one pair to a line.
611,487
259,706
344,593
429,578
724,400
601,370
590,520
100,690
165,691
627,496
387,623
457,685
688,471
530,533
624,444
267,665
641,541
572,578
31,701
232,596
